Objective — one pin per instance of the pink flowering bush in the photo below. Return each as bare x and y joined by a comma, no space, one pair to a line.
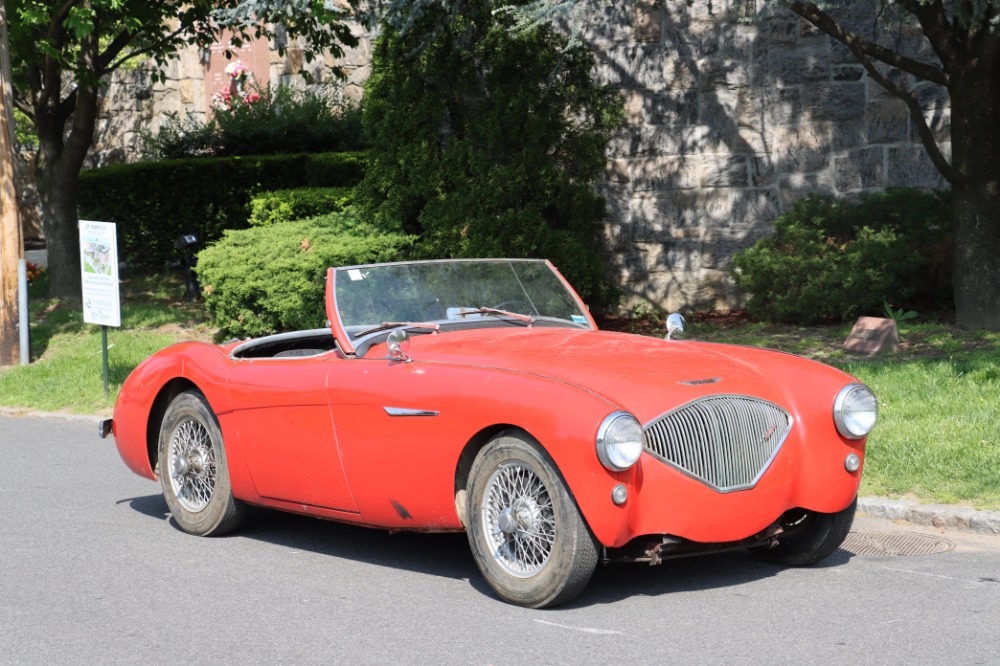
240,91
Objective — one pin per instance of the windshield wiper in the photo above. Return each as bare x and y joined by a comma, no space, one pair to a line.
396,324
496,311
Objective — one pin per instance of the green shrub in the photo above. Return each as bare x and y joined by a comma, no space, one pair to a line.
298,204
488,142
154,202
838,259
269,279
284,120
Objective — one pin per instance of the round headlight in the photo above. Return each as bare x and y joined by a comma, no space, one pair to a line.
619,441
855,411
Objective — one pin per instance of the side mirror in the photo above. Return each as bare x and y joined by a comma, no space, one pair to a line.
675,325
396,345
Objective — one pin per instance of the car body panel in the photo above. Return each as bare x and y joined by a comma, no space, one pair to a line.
385,441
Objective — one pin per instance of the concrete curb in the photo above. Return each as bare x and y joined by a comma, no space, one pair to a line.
935,515
34,414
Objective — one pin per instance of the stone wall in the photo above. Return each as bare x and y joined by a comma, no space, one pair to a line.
134,104
726,124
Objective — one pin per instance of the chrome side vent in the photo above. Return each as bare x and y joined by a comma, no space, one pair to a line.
724,441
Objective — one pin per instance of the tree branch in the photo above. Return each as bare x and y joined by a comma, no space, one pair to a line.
934,22
822,20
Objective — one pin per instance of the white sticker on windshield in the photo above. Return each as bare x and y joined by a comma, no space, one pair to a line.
355,274
579,319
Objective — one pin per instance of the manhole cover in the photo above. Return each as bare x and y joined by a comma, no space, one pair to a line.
895,544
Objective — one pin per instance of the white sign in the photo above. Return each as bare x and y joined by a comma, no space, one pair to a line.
99,273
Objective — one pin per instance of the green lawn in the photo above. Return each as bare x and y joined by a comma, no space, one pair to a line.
66,373
938,438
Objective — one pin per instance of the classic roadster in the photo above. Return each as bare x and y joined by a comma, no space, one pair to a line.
478,395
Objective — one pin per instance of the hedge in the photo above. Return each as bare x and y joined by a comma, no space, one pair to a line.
270,279
835,259
155,202
298,204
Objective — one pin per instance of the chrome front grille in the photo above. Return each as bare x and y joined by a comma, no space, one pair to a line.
725,441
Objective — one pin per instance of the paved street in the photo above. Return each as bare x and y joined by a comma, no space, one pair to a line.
93,572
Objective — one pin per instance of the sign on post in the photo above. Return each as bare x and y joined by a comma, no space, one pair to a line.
99,273
99,279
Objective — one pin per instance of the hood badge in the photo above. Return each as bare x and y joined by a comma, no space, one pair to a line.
700,382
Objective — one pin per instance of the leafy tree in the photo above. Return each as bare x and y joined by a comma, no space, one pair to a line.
487,142
62,50
964,35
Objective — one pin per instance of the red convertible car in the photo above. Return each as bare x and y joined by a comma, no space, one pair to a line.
478,395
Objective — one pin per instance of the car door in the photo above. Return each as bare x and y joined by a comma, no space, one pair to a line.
285,428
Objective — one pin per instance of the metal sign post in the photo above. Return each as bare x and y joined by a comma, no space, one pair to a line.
99,278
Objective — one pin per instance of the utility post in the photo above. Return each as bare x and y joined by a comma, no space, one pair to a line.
11,243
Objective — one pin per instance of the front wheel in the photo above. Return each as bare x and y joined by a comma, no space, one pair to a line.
193,471
809,537
525,531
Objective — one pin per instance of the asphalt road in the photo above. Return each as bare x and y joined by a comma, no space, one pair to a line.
92,571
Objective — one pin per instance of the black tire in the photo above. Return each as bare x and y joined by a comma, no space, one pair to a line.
193,470
525,531
810,537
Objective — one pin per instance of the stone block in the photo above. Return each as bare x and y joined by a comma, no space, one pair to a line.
847,135
185,89
782,30
936,107
762,171
677,107
887,121
647,20
861,169
714,73
803,62
910,166
663,173
848,72
768,107
836,102
677,214
724,171
873,335
802,148
796,185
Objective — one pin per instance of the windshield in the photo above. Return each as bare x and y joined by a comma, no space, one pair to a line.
453,293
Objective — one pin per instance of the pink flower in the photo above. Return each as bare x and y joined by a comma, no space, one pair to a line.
237,70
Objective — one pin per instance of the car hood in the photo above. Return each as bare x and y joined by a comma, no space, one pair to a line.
643,375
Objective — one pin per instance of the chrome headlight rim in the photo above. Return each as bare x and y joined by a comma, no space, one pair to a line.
611,461
838,411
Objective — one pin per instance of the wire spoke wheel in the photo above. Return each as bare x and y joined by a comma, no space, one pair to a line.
191,459
525,531
192,465
519,520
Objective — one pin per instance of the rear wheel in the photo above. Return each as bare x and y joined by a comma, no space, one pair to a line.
809,537
524,528
193,471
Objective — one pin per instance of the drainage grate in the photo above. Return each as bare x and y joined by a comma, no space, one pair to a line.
895,544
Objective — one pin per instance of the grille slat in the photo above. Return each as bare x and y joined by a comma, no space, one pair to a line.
725,441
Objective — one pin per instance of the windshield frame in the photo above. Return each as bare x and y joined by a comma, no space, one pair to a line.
350,346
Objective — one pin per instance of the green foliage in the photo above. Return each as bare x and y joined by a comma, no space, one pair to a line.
268,279
283,120
486,142
298,204
837,259
154,202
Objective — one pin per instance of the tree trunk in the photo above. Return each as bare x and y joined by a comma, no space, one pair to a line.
975,136
57,171
57,188
11,246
